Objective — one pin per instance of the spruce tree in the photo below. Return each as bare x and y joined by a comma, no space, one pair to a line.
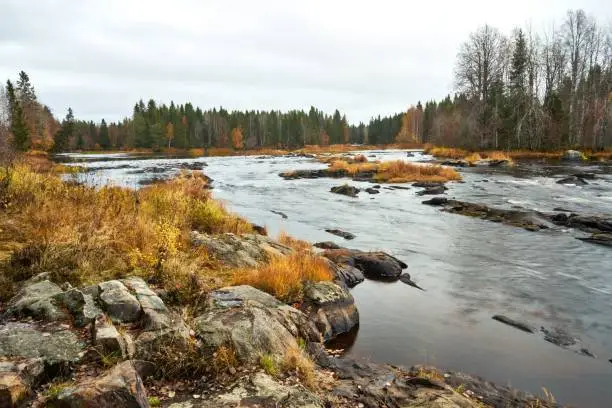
104,139
21,140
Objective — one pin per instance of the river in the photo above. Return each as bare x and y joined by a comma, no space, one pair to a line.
471,269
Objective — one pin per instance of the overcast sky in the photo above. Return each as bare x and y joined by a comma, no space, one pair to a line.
364,58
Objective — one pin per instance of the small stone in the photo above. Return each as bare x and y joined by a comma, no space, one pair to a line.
232,370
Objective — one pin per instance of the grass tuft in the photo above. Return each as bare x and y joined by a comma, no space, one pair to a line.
296,360
284,276
269,364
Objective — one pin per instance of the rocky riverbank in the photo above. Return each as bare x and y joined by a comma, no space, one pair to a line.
118,343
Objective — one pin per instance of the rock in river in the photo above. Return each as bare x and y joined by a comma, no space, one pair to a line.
340,233
514,323
436,190
601,239
572,155
575,180
345,189
374,265
326,245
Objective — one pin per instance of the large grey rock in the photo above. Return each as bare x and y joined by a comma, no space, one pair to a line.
260,390
374,265
156,314
107,339
120,387
17,378
27,341
120,305
331,307
36,299
239,250
81,305
252,322
346,274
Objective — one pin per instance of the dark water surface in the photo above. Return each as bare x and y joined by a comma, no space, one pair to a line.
471,269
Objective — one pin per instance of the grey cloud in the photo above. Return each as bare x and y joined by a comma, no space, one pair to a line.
100,57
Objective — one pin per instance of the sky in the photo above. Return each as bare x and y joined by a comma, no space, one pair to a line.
363,58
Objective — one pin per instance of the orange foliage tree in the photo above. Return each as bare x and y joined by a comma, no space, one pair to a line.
169,133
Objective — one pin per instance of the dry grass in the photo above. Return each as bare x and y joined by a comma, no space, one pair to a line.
402,172
472,158
360,158
351,168
294,243
446,152
85,235
284,276
297,361
223,359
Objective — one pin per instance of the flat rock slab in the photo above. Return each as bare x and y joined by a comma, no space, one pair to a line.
340,233
514,323
36,299
27,341
260,390
240,251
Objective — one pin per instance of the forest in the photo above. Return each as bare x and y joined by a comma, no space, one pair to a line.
522,90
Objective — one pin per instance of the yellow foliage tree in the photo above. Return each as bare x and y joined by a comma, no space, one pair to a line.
169,133
237,138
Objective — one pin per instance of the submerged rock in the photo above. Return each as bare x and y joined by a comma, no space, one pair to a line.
433,190
526,220
252,322
340,233
578,181
407,279
331,307
514,323
120,387
587,223
345,189
282,214
601,239
326,245
372,190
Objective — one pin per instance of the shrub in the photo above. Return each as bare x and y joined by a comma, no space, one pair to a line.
401,171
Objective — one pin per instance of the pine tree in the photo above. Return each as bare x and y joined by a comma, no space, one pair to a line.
104,139
62,137
21,140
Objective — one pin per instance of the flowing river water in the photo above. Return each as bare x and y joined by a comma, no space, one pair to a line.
471,269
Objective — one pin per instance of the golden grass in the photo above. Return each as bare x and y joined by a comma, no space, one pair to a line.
399,171
360,158
446,152
351,168
472,158
85,235
294,243
284,276
296,360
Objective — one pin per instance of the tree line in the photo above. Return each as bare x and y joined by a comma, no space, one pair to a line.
525,90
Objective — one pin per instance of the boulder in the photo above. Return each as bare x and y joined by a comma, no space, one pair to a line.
252,322
259,390
428,184
572,155
345,189
120,387
120,305
36,299
374,265
52,352
81,305
346,274
155,312
17,379
331,307
372,190
240,251
340,233
436,201
107,339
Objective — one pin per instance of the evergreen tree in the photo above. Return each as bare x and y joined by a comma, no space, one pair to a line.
21,140
104,139
62,137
